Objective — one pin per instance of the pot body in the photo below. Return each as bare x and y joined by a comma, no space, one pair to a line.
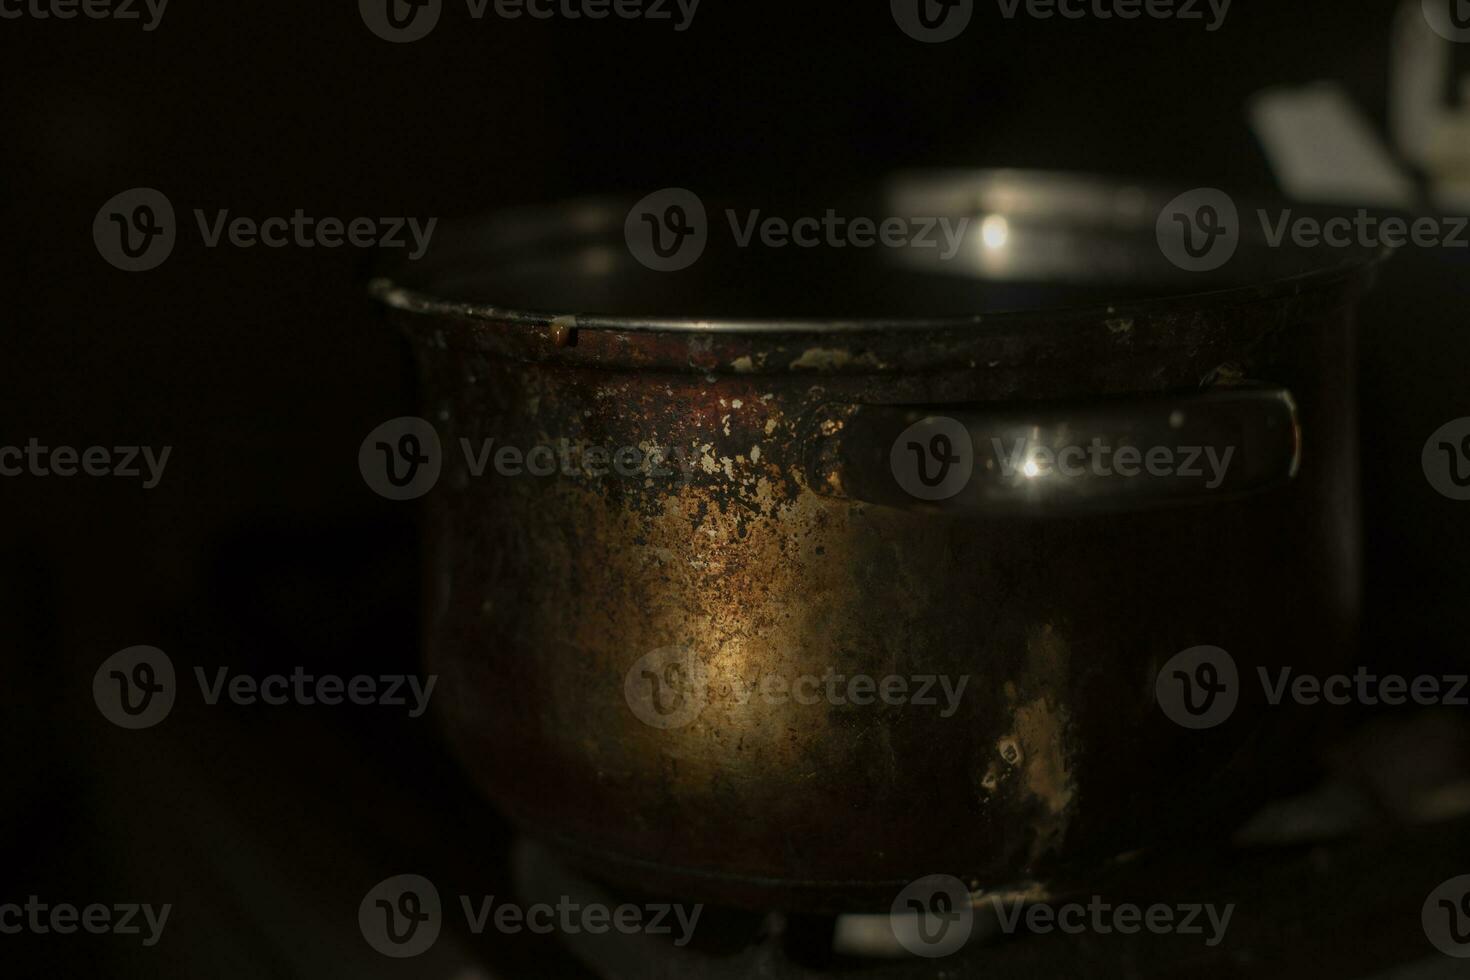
655,672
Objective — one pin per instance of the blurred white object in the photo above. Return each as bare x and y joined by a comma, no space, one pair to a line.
1430,132
866,936
1322,148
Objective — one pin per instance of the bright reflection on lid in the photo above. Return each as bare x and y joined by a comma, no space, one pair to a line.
1030,469
995,231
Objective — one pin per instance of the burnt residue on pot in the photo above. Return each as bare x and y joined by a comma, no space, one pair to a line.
1034,755
1042,725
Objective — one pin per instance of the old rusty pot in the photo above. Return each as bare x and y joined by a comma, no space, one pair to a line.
681,670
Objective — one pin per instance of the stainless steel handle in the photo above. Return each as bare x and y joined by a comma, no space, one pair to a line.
1103,456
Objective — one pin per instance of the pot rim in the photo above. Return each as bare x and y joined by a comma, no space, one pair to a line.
1083,202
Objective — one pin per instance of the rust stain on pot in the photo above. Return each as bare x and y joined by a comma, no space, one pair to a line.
1224,375
1021,893
1037,748
1041,728
834,358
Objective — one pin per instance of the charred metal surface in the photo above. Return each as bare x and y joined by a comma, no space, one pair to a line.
546,591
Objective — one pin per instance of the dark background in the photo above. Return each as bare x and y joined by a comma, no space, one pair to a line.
264,368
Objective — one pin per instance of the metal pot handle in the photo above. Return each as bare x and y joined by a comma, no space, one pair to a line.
1100,457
